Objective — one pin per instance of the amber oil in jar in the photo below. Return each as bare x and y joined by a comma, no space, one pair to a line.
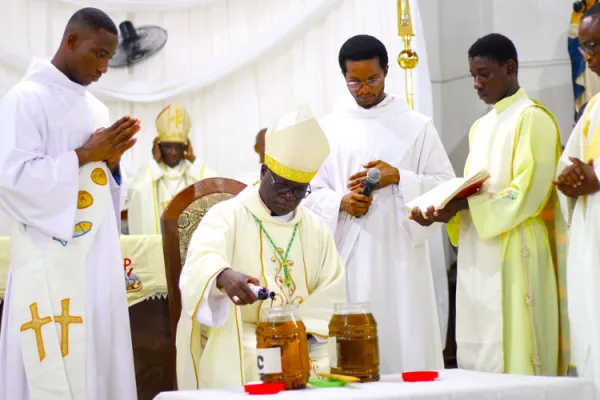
353,343
282,347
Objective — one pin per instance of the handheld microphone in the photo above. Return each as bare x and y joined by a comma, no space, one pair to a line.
372,181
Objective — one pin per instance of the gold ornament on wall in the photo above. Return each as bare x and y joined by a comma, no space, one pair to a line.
408,58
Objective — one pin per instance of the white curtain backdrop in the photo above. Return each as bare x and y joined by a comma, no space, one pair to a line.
234,64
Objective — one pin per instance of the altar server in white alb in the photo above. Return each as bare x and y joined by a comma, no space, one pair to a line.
65,327
578,181
264,237
385,254
173,168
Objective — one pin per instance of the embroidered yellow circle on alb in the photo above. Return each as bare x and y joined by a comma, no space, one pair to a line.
84,200
99,177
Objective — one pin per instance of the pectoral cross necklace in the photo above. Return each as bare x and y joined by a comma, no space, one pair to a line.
281,257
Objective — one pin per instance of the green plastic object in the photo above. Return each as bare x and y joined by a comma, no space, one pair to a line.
326,383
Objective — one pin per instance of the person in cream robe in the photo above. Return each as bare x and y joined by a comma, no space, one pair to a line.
507,305
173,168
386,256
578,182
263,237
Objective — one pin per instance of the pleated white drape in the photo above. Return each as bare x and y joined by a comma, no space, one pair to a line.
234,64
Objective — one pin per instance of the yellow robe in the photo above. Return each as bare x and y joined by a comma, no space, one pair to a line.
229,236
154,187
507,300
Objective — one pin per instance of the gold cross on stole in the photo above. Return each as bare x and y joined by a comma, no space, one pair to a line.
36,324
64,319
177,118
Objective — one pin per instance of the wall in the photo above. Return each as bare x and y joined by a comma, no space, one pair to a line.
539,30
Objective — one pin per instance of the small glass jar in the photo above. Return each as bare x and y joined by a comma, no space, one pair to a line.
282,347
353,343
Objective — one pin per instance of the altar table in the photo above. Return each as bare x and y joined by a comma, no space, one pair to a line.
453,384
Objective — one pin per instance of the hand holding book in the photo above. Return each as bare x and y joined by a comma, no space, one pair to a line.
444,201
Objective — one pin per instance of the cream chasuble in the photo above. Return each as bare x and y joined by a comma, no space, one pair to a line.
153,188
65,326
220,351
583,273
507,314
385,254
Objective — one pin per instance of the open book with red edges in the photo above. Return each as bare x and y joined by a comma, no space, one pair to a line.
441,195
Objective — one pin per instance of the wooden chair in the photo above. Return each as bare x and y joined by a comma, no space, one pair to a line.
178,223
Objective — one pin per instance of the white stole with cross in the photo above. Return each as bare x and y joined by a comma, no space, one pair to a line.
49,290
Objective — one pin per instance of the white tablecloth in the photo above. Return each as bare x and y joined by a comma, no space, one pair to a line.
451,385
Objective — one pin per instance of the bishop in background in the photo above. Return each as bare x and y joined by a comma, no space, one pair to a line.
173,168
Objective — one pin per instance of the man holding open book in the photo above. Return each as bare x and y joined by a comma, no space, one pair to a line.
507,314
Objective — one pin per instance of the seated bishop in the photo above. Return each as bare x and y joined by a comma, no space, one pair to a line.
173,168
264,237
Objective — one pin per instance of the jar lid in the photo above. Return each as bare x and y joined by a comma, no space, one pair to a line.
264,388
420,376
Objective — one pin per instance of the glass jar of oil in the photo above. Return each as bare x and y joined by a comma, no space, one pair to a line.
282,347
353,343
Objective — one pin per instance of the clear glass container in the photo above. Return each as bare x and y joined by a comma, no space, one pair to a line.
353,343
282,347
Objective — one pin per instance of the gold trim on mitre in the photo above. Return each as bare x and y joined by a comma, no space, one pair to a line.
288,173
296,146
173,124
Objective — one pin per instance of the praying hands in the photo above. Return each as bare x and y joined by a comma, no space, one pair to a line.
109,144
578,179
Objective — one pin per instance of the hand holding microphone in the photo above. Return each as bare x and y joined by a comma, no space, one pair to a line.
358,202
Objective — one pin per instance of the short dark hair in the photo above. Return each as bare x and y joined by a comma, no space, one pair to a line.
362,47
594,11
495,47
93,18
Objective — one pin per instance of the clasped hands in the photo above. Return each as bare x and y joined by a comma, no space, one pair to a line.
357,204
578,179
109,144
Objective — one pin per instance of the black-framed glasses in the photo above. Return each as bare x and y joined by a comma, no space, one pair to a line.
299,193
356,85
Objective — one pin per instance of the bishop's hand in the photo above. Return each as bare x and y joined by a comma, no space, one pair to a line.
578,179
110,143
236,286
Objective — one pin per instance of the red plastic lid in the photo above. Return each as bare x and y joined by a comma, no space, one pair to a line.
264,388
420,376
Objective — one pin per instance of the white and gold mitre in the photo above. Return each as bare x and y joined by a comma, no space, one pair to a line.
296,146
173,124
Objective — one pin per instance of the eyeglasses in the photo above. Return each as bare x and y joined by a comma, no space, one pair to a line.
299,193
372,83
589,48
